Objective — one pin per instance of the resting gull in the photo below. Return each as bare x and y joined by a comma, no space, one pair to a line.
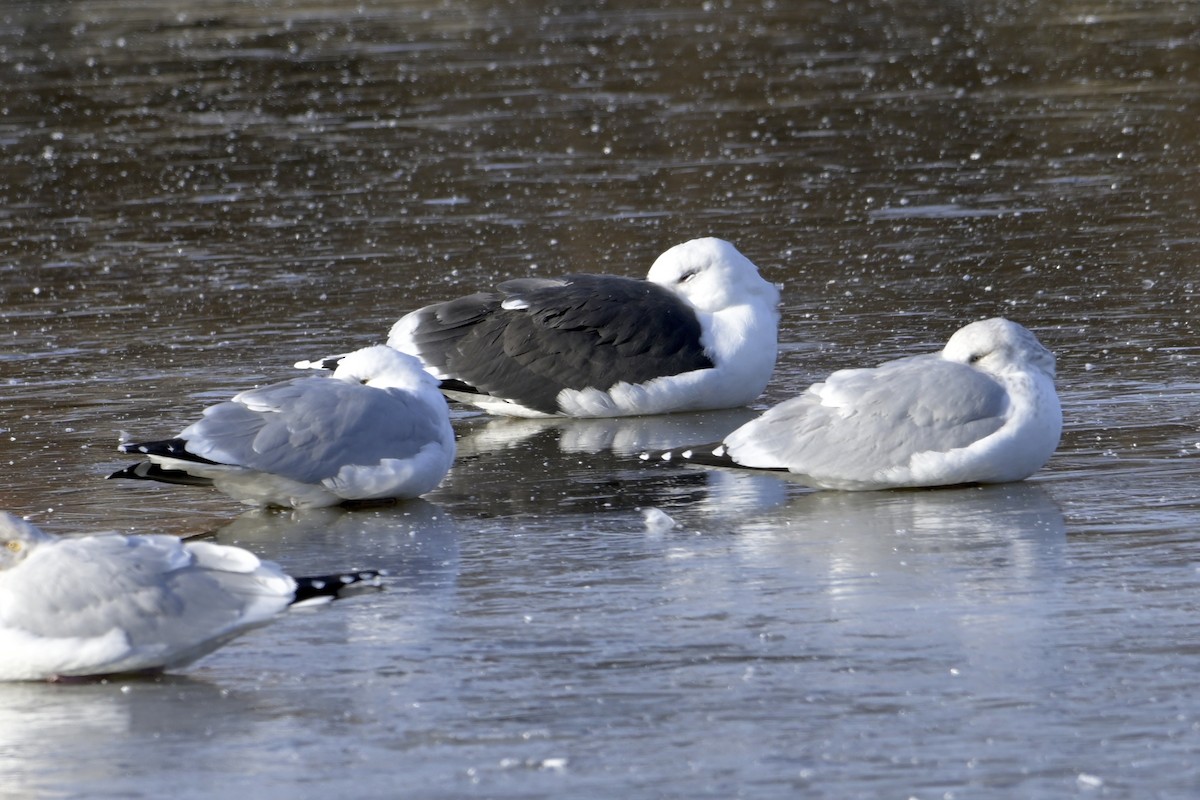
376,429
698,333
983,410
107,604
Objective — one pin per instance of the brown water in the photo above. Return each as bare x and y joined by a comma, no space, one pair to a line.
193,197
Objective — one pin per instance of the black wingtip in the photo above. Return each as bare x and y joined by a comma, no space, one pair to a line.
713,454
146,471
455,385
167,448
336,585
329,363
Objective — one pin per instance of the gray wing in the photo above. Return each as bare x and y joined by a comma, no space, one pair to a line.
307,429
152,588
864,420
535,337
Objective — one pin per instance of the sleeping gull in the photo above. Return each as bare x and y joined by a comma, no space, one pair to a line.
698,333
983,410
377,428
107,604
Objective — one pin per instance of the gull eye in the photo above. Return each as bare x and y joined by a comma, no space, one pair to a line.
687,276
14,546
976,358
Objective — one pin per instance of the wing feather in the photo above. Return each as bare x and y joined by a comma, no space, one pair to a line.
154,589
534,337
880,417
310,428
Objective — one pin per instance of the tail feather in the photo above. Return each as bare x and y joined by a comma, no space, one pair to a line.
315,589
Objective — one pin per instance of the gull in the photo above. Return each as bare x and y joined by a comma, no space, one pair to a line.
699,333
376,429
110,604
983,410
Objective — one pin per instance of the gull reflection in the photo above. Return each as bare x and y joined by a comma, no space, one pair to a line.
856,537
622,435
970,573
415,541
92,725
535,467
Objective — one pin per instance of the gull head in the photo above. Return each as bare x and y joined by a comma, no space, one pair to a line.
712,275
998,345
383,367
18,539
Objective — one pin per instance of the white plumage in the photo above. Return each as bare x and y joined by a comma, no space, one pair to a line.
377,428
983,410
112,604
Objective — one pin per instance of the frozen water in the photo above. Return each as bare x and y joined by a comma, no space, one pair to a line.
227,189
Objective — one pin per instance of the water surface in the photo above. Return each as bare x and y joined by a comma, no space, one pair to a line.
193,197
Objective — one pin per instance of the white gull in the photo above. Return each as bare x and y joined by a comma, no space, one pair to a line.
983,410
108,604
376,429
